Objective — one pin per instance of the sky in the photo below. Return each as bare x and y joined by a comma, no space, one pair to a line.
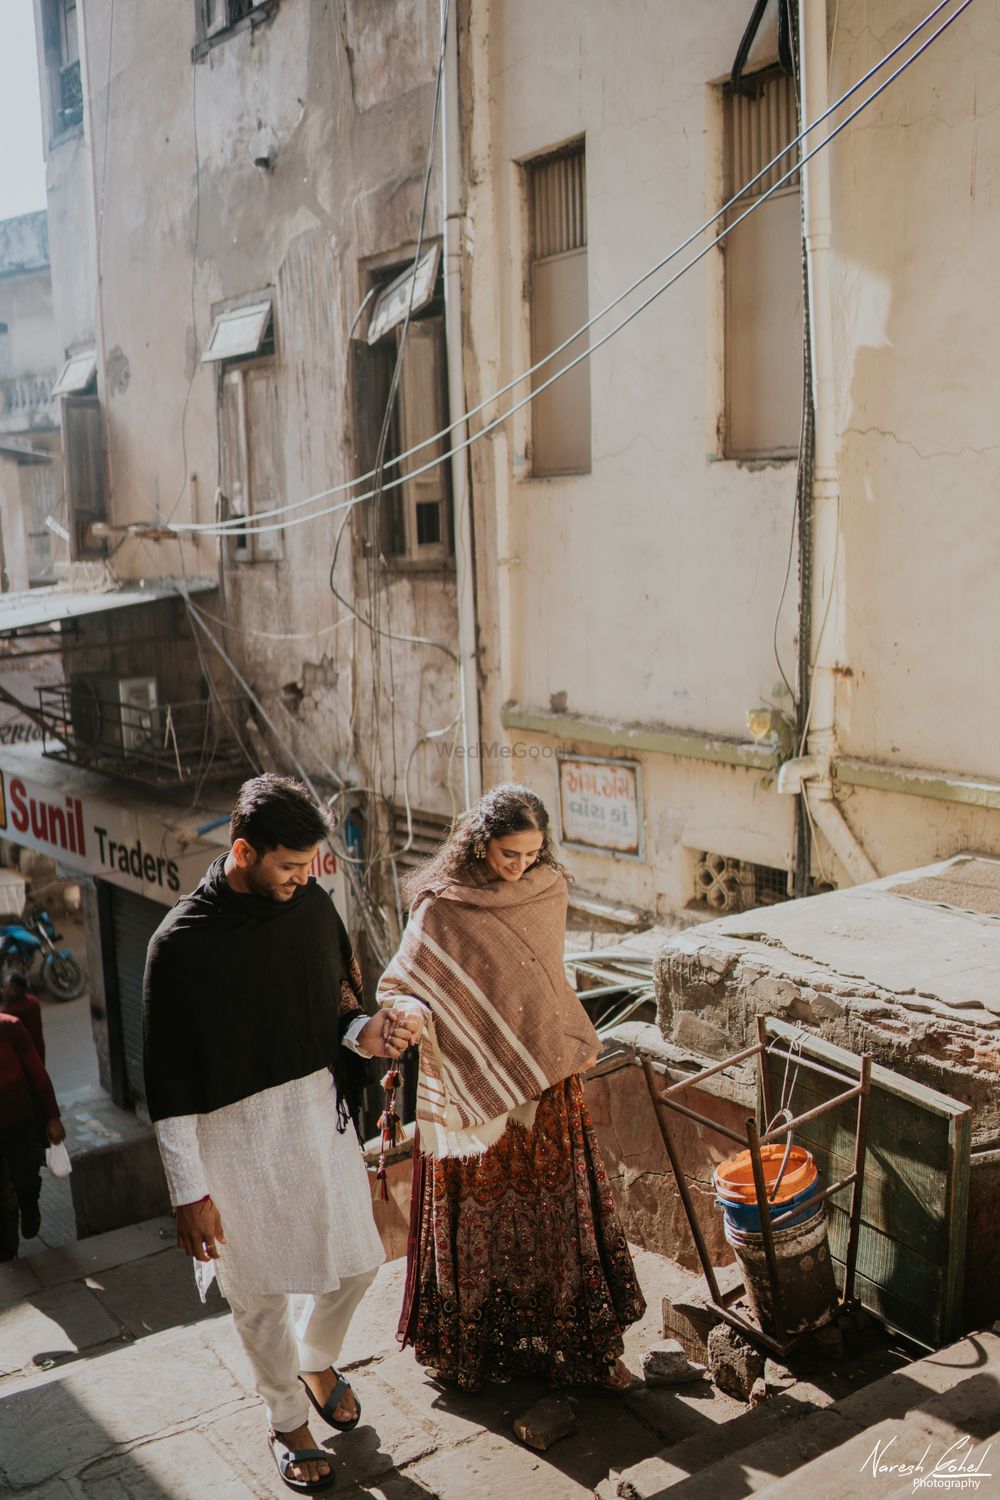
22,170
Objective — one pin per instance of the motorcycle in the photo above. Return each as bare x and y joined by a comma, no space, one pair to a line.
29,945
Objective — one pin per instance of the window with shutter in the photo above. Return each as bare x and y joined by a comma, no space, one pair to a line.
557,210
250,455
763,276
86,477
410,523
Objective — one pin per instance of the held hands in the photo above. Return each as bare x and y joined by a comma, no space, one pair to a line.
389,1033
199,1229
56,1131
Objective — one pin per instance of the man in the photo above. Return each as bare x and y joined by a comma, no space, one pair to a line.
17,1000
28,1114
252,995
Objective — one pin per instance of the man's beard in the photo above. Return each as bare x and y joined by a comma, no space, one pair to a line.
259,885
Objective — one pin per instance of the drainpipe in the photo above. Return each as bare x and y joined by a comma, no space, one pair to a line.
454,217
812,774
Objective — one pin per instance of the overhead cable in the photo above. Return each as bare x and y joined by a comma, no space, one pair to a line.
243,526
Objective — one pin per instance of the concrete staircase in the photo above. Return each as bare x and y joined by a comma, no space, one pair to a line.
941,1411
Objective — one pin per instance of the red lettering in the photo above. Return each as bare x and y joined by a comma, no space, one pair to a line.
19,811
81,842
39,819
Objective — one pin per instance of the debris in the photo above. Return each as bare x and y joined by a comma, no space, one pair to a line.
733,1363
777,1377
667,1363
545,1423
829,1341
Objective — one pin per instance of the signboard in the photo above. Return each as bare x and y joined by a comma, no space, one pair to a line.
600,806
132,847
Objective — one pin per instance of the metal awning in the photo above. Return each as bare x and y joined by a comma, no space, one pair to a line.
238,331
22,613
76,374
391,305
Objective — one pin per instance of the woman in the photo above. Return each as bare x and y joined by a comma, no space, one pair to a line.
518,1264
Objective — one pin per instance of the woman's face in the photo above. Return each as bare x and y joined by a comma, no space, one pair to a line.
511,855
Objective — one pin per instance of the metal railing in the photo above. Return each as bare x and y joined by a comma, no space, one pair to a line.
162,744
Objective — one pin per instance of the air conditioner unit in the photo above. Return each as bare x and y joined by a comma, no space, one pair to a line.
116,714
137,701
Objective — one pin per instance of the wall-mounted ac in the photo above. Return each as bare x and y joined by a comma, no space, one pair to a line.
116,714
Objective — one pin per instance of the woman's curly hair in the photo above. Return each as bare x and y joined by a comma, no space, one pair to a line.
505,809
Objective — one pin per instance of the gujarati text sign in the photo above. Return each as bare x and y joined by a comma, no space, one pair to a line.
600,805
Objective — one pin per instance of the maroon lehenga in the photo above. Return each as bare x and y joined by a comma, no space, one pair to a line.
518,1263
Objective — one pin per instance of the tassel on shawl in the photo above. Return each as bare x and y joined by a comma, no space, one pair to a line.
392,1131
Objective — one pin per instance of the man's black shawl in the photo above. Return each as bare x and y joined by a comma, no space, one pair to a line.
242,993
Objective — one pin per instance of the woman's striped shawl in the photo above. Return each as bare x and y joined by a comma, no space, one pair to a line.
505,1024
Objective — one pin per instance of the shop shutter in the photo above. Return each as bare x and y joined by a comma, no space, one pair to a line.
133,922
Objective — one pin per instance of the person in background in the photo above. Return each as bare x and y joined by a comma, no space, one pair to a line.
29,1115
17,1000
253,1009
517,1262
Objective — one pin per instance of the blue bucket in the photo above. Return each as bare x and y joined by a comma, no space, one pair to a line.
746,1216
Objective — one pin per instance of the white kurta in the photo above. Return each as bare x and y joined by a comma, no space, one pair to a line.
292,1192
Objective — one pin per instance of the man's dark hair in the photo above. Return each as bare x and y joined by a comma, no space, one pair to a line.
272,810
16,980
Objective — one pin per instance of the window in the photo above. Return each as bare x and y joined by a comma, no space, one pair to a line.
413,521
557,220
214,18
86,476
250,453
763,277
62,60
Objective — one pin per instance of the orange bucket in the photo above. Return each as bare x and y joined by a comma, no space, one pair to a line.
734,1178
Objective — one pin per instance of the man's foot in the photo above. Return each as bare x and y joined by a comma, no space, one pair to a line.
307,1471
321,1385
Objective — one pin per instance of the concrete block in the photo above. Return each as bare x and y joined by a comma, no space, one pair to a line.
183,1466
667,1364
127,1395
54,1326
118,1184
155,1294
101,1252
688,1316
545,1423
17,1279
494,1468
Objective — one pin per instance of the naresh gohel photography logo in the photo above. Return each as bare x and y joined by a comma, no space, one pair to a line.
954,1466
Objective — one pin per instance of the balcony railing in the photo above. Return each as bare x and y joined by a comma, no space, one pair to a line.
163,744
27,403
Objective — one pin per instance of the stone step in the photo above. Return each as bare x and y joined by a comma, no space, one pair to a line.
796,1445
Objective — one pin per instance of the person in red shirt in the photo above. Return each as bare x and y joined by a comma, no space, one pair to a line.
17,1000
29,1115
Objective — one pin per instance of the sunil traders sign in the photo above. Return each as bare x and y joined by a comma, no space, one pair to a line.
600,806
127,846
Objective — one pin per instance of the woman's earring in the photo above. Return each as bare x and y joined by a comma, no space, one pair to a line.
479,849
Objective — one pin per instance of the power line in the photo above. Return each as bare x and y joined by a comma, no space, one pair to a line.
243,526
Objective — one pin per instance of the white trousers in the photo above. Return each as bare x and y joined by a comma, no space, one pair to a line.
278,1350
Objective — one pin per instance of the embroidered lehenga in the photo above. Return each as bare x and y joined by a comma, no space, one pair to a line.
517,1261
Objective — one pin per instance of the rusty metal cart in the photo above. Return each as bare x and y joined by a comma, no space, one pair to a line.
665,1101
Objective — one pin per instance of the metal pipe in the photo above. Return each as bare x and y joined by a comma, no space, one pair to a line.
860,1151
810,1114
453,210
763,1209
691,1114
697,1078
682,1187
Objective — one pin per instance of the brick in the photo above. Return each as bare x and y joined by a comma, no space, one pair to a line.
545,1423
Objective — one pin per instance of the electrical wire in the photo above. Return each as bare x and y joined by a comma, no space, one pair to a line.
346,485
249,529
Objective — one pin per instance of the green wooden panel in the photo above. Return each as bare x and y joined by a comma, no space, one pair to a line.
911,1248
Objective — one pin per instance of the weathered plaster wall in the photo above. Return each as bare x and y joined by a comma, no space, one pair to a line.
647,590
915,251
187,221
